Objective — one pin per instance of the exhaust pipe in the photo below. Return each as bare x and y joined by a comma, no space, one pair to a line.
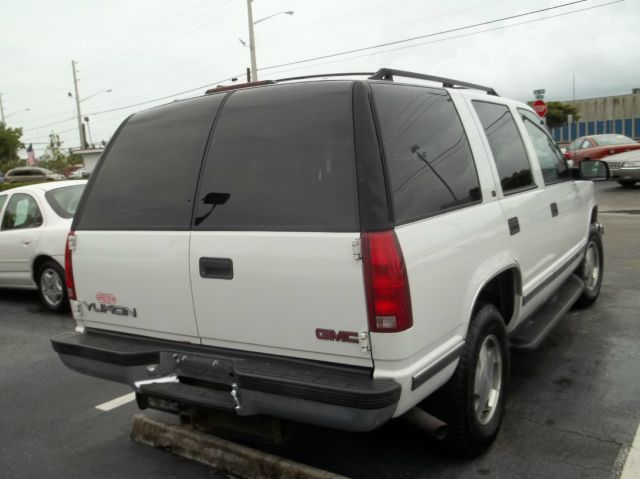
428,423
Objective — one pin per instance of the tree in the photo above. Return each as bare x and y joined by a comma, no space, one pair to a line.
55,159
9,145
557,113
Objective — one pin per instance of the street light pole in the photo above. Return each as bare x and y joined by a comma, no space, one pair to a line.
252,43
1,109
83,142
252,39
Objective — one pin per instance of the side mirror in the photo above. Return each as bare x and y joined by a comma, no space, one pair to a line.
593,170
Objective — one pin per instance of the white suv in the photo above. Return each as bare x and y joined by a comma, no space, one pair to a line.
331,251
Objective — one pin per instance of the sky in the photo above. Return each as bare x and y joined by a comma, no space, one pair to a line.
153,52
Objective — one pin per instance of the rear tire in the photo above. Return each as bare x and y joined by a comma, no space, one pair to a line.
627,183
591,271
472,402
52,287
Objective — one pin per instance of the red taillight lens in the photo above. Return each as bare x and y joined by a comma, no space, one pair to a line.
68,264
387,287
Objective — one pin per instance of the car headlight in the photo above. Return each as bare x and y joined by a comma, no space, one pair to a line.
630,164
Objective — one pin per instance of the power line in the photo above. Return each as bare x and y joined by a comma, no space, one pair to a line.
200,88
380,45
279,72
165,39
144,32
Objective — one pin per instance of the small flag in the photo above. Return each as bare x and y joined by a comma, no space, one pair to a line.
31,156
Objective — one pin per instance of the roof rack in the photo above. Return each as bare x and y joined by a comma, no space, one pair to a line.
237,86
382,74
388,73
305,77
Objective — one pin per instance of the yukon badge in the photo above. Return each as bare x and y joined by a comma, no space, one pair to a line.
341,336
106,303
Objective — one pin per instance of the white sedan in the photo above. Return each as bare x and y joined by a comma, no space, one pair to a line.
33,232
625,167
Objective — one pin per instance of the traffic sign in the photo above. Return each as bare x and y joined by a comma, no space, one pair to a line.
540,107
539,92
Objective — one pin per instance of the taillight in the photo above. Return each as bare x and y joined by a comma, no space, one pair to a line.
387,287
68,264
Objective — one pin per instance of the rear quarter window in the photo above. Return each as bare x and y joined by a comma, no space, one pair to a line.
148,176
429,161
64,201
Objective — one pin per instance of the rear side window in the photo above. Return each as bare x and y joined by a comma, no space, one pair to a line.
148,177
431,169
64,201
506,145
22,212
282,158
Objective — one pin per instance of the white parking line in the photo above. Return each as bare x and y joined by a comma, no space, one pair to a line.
632,465
117,402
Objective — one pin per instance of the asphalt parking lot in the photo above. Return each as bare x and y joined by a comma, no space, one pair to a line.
573,409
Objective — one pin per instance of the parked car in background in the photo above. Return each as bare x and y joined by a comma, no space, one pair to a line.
1,177
25,174
625,167
595,147
79,174
35,220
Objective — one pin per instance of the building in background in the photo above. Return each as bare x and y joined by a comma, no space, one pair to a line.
90,157
613,114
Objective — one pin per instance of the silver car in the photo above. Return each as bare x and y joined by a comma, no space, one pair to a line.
25,174
625,167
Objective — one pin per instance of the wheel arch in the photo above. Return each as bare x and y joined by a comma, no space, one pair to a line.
502,289
38,261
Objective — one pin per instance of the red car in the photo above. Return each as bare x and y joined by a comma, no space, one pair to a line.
595,147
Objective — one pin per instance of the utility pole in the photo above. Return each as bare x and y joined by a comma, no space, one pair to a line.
252,43
1,109
75,84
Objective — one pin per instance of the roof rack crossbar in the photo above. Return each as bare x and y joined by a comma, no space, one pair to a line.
388,73
305,77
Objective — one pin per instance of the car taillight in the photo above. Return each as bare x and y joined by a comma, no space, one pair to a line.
68,264
386,283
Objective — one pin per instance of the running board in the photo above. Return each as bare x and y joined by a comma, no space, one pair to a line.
532,332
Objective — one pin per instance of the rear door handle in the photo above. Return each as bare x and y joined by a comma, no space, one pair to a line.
216,268
514,225
554,209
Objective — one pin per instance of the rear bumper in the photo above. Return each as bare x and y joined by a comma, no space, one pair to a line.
177,376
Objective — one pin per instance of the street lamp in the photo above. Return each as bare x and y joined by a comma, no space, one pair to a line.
14,113
252,40
83,140
86,118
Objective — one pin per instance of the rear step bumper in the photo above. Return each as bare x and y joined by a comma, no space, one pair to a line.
176,376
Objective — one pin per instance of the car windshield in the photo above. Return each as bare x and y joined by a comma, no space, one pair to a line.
64,201
574,144
607,140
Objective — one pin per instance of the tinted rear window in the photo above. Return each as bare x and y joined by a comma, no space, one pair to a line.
282,158
430,165
148,177
64,201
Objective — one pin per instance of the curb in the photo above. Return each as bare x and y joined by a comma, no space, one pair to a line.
219,453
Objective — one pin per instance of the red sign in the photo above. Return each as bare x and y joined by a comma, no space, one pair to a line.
540,107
